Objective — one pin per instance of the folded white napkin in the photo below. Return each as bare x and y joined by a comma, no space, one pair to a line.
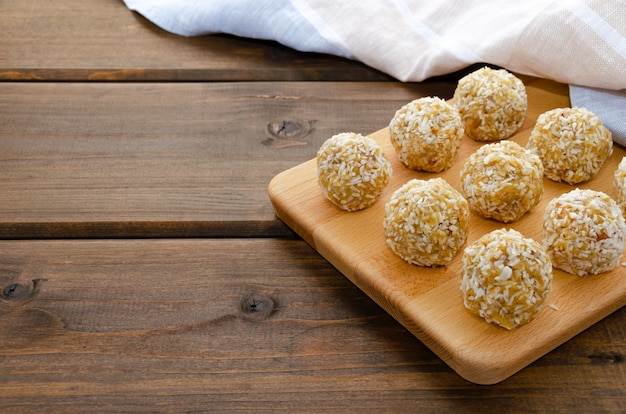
578,42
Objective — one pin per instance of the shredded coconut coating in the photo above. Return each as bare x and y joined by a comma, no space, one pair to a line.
502,181
352,171
584,232
426,222
620,184
426,134
492,104
572,144
506,278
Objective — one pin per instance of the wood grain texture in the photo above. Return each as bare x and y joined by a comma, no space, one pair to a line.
247,323
265,325
102,40
169,159
428,301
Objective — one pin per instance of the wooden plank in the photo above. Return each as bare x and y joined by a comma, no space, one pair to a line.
262,324
168,160
428,300
102,40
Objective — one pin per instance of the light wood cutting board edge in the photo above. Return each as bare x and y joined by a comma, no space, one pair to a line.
428,302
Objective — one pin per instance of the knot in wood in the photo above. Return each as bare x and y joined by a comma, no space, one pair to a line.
288,129
19,291
257,306
607,358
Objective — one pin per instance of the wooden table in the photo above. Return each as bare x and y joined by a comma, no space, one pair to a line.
142,267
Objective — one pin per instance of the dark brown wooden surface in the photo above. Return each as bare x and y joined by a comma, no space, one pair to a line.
253,325
101,40
169,159
111,128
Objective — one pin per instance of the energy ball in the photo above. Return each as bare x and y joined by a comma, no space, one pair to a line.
572,144
426,134
426,222
502,181
352,171
506,278
584,232
619,182
492,104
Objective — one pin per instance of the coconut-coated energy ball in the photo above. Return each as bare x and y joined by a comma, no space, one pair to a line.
426,222
492,104
426,134
352,170
502,181
584,232
506,278
572,143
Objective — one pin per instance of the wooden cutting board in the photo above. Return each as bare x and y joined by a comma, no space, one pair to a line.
428,301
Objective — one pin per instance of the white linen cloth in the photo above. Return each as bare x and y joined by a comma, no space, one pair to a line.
578,42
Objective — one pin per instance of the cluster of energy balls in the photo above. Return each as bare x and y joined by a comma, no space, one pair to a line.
506,276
